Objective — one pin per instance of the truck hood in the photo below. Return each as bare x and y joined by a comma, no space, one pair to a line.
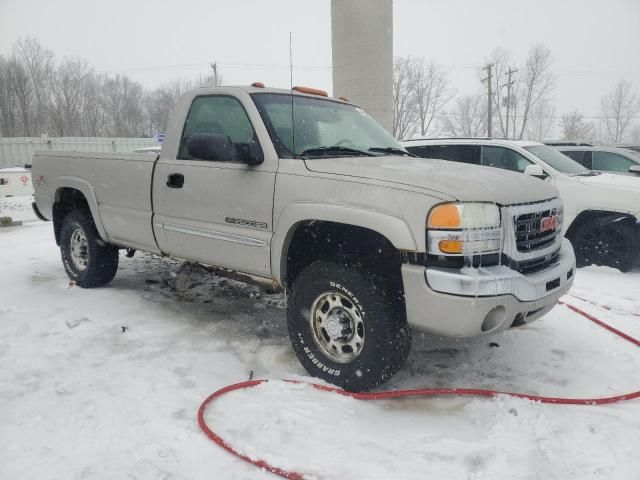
459,181
612,180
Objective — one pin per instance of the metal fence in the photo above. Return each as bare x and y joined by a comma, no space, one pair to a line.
17,151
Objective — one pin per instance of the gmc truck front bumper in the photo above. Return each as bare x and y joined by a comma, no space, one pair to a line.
468,302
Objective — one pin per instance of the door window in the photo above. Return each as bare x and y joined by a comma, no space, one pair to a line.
583,157
611,162
505,158
455,153
221,115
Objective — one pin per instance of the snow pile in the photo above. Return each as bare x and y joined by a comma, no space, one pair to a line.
83,397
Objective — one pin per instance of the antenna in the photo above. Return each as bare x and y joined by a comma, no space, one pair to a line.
293,128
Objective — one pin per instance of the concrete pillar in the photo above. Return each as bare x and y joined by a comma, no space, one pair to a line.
362,51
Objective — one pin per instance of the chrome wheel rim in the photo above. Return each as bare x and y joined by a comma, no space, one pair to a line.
337,326
79,249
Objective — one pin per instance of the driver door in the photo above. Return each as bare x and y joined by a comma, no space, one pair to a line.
217,212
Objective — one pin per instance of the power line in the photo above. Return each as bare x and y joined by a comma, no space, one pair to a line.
591,117
203,65
233,65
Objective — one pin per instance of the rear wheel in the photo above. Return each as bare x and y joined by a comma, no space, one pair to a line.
88,261
347,325
614,245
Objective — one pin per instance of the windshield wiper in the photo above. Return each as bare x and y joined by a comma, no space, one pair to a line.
335,149
393,150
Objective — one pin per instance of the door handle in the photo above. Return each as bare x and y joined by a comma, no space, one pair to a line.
175,180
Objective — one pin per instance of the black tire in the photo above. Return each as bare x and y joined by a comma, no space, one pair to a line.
614,245
101,259
377,306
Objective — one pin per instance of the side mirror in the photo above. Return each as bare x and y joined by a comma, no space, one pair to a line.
215,146
634,169
535,171
212,146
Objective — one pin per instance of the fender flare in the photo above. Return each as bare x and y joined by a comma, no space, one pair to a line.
393,228
84,187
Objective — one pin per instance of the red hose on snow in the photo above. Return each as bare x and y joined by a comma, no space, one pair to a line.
424,392
605,307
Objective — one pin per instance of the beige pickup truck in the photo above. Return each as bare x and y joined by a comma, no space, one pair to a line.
311,193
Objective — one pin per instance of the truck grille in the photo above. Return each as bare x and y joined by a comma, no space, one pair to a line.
530,234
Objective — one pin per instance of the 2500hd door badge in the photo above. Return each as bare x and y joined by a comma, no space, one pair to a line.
246,223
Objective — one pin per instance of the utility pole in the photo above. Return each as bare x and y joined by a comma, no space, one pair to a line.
214,67
489,69
509,83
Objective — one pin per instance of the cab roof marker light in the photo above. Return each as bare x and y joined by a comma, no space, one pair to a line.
310,91
257,84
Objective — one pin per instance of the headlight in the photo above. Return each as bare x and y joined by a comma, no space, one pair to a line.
464,229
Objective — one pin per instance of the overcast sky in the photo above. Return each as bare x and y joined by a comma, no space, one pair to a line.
594,42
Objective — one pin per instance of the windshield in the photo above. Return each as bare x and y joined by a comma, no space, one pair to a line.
320,124
556,160
634,154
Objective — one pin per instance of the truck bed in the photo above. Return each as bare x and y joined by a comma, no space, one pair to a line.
117,185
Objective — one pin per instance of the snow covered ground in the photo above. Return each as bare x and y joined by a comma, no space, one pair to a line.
106,383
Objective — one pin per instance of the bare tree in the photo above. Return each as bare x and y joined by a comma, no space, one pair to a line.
211,80
575,127
431,90
540,120
22,92
635,134
530,93
23,88
468,117
39,95
66,87
619,107
8,121
405,110
536,82
93,121
38,63
159,103
122,104
501,60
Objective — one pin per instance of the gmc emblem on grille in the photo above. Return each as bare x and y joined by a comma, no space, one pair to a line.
548,223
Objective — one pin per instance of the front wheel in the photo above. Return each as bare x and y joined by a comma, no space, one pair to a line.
613,245
88,261
348,326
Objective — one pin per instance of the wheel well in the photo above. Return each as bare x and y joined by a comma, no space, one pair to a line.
67,200
602,217
314,240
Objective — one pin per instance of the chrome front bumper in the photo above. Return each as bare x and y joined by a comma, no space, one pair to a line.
501,280
470,302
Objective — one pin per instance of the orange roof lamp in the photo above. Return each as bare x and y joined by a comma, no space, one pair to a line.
257,84
311,91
